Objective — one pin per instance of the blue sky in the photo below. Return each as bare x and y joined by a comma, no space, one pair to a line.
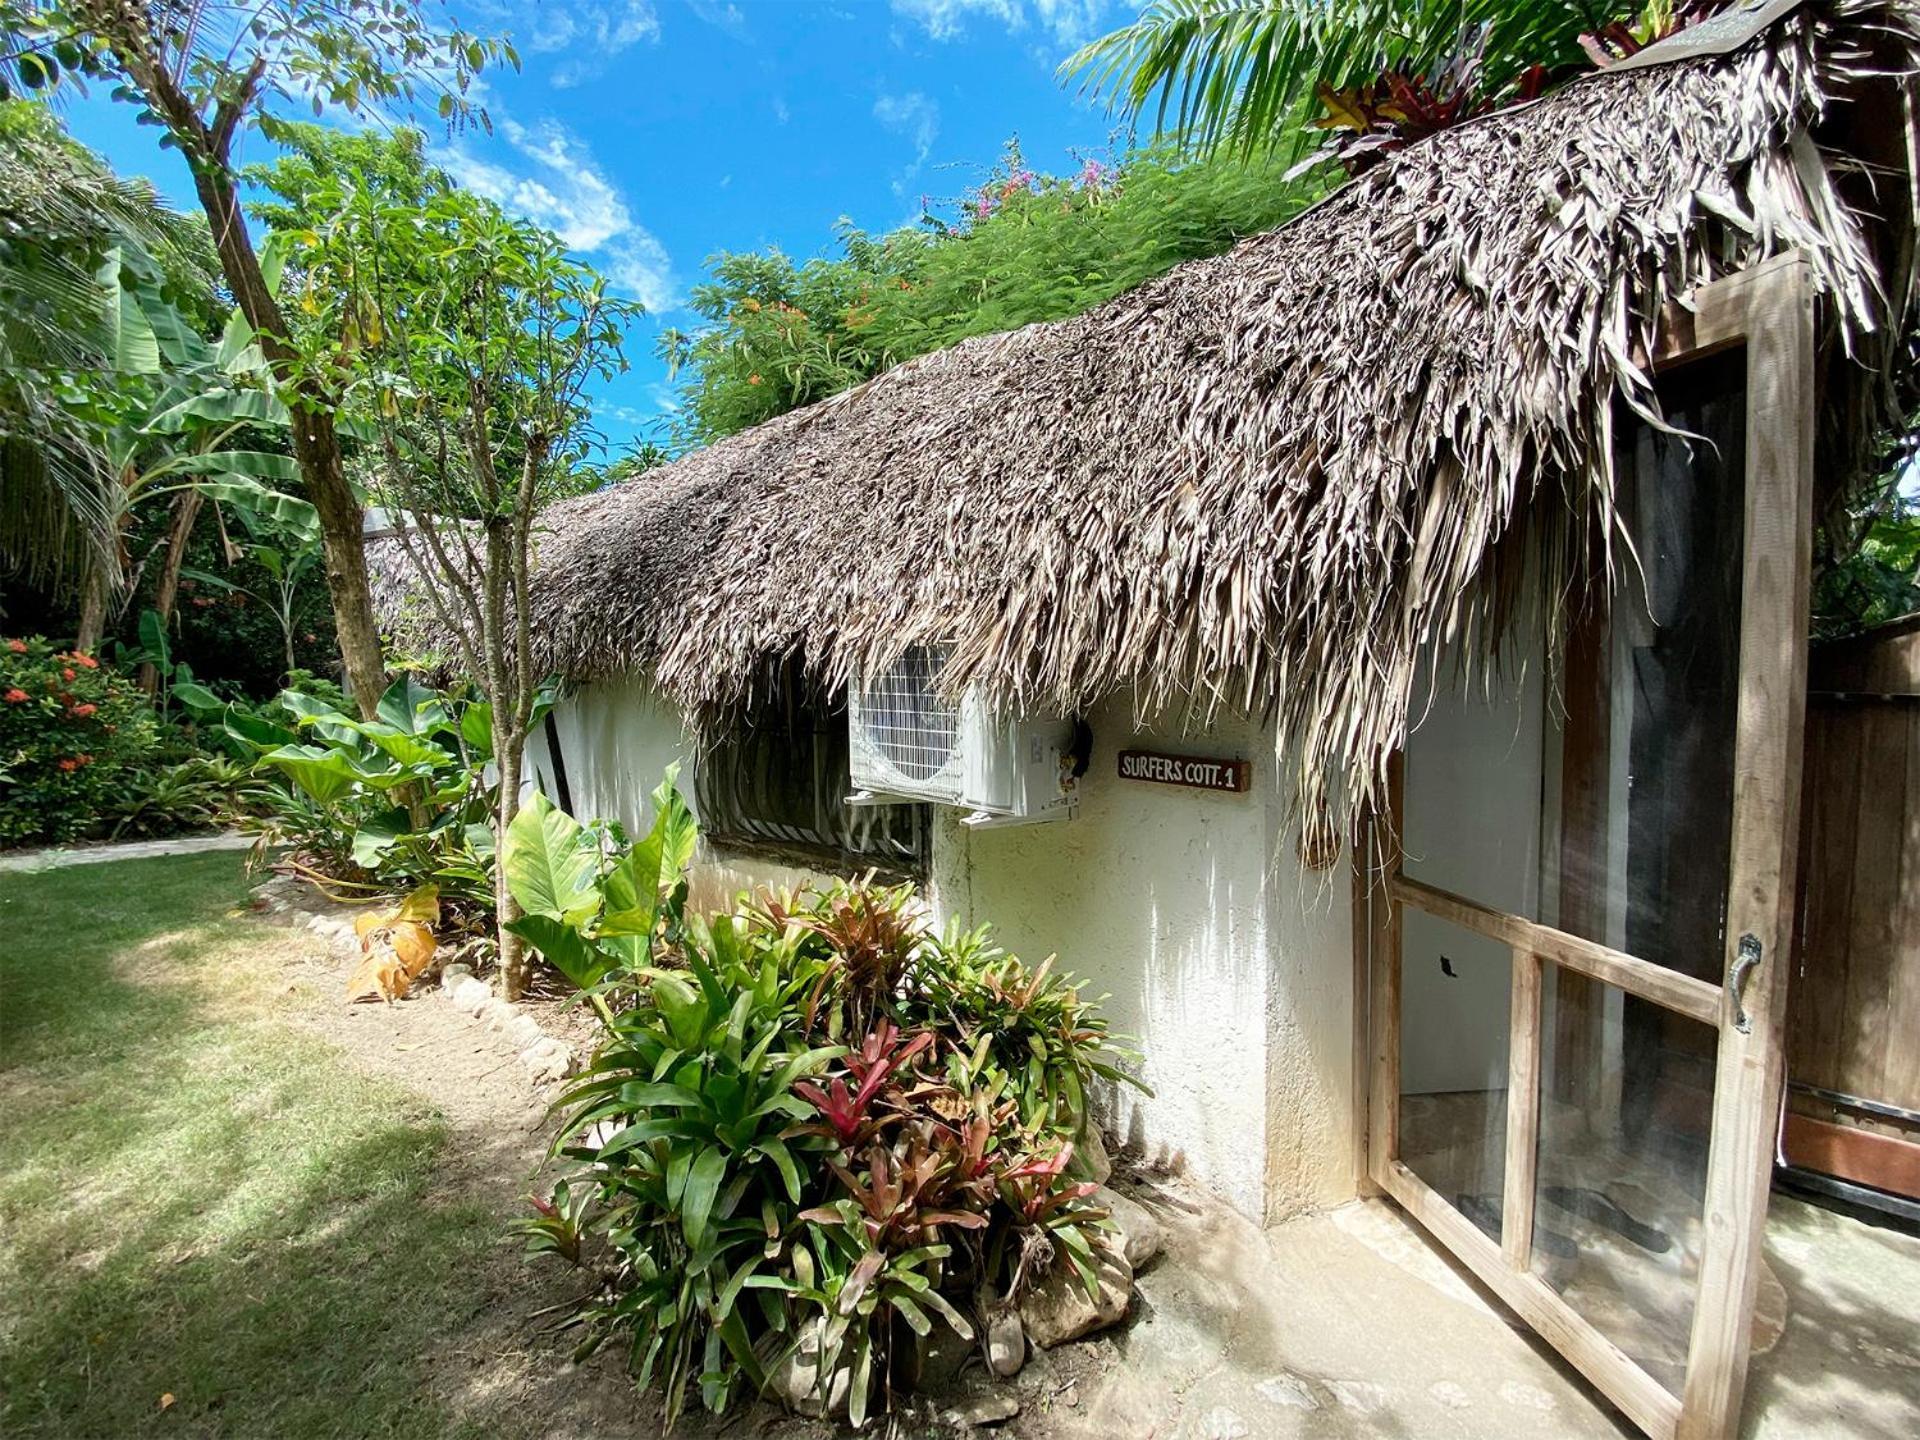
651,133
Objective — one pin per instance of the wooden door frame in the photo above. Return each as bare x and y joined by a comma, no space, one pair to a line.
1769,309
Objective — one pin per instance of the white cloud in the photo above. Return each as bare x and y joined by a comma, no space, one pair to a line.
722,16
584,36
912,115
1068,22
552,179
780,112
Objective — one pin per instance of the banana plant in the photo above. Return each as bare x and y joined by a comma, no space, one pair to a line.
175,414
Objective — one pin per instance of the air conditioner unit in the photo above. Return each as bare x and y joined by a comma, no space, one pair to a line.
908,744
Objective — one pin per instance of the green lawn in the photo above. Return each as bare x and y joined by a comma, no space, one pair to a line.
196,1199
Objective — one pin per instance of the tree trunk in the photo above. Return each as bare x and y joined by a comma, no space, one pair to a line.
186,510
93,608
316,443
515,965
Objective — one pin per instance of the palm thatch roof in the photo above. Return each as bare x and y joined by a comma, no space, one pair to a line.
1274,479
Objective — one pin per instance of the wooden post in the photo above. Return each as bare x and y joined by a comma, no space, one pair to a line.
1523,1111
1766,832
1383,1107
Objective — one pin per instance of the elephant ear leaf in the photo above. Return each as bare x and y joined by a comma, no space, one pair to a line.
551,863
563,948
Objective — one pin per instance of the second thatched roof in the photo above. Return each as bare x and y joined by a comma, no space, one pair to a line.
1276,478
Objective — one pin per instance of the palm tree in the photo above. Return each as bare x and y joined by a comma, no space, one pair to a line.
1242,72
70,233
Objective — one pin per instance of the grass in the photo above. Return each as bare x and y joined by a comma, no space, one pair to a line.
197,1200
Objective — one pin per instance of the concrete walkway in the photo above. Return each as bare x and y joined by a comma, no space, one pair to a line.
1352,1324
58,857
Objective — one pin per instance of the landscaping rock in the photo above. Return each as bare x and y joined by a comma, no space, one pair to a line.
937,1360
547,1059
470,995
796,1383
499,1014
524,1030
1090,1151
1006,1343
989,1408
452,975
1139,1233
1057,1309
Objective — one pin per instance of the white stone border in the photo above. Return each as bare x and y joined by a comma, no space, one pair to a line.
546,1058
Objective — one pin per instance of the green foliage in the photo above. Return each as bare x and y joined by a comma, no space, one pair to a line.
1245,74
94,270
388,803
813,1123
226,66
1026,247
1879,578
590,913
72,734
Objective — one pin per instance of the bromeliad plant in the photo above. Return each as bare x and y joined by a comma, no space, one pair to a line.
815,1123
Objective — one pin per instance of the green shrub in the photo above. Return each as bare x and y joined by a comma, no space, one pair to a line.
72,731
390,803
812,1120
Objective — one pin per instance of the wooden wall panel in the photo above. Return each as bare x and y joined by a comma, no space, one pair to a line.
1854,1015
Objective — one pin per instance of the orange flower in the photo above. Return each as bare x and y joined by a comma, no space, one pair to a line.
66,673
753,379
85,661
17,696
83,711
69,765
18,647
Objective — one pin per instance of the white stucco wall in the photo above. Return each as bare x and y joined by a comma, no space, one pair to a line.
1227,964
618,738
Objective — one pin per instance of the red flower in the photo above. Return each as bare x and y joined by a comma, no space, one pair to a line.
83,711
86,662
66,673
69,764
17,696
19,647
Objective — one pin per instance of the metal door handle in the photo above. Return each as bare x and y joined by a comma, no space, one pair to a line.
1746,961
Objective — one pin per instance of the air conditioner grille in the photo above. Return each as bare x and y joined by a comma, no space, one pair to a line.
906,720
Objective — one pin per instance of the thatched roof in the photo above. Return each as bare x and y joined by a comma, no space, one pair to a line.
1273,479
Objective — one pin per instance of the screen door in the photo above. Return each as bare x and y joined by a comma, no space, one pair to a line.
1584,892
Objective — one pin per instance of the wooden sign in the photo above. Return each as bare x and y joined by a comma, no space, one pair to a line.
1197,772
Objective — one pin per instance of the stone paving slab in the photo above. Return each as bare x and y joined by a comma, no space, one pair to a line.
59,857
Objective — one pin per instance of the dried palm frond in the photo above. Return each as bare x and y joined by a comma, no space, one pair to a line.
1278,479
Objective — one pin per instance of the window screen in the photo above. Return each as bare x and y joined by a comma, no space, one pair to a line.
779,780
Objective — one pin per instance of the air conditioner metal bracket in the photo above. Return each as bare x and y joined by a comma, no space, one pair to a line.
988,820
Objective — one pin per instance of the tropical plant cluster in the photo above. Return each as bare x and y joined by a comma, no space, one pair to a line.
1021,246
372,807
814,1123
1371,76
